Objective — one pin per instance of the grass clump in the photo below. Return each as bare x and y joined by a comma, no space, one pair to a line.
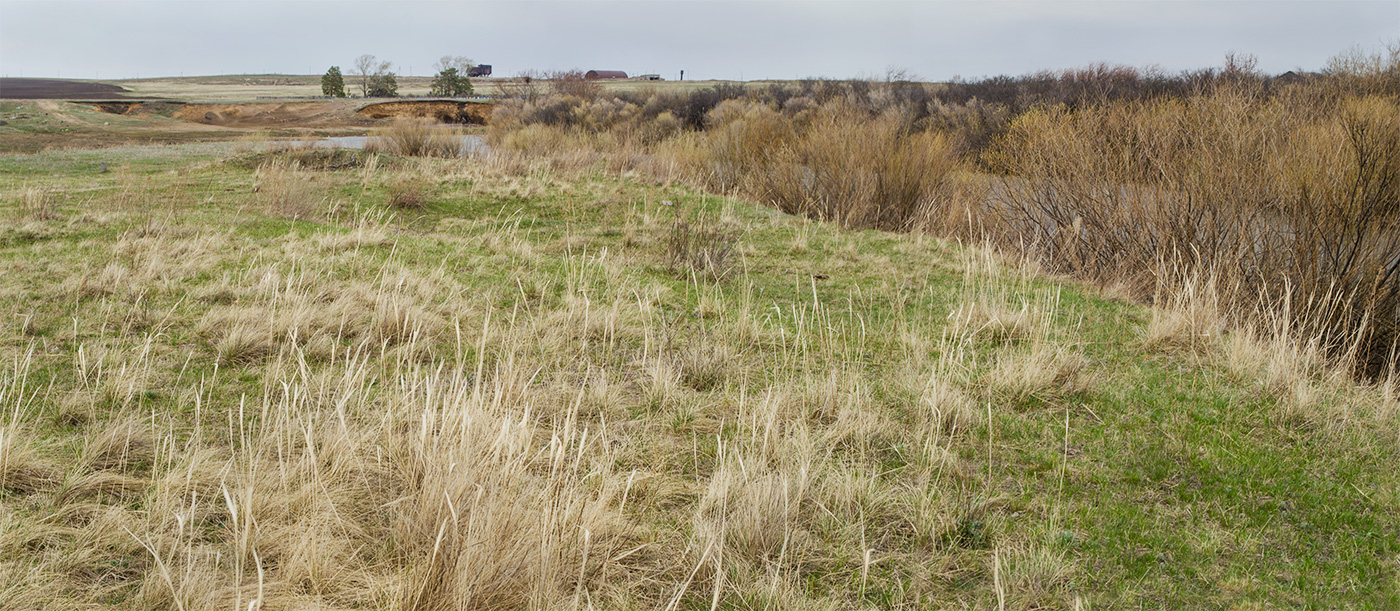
37,204
407,195
415,138
283,191
702,248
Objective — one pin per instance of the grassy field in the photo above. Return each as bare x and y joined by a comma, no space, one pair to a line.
33,125
36,125
496,382
251,87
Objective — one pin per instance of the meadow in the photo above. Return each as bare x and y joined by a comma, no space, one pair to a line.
649,354
252,87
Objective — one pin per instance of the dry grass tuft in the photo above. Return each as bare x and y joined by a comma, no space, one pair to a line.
752,510
949,409
399,320
120,447
405,195
284,191
1045,374
98,486
415,138
701,248
996,322
370,230
705,365
22,469
661,384
1033,577
1193,331
38,204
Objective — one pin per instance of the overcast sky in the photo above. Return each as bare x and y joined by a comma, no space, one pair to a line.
709,39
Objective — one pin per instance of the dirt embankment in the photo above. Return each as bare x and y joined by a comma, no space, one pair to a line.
137,107
330,113
444,111
56,89
274,114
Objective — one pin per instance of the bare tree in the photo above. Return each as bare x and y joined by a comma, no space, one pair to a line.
461,63
527,85
367,67
364,68
573,82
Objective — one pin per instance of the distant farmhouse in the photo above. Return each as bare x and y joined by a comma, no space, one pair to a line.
480,70
604,74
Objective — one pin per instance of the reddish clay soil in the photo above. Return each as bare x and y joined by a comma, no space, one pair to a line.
323,114
444,111
55,89
272,115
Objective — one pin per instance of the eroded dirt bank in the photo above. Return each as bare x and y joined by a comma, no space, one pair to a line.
35,125
261,115
306,114
444,111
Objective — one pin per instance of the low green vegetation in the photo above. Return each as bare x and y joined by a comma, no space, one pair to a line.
231,380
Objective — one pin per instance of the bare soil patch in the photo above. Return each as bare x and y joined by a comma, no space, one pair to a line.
275,114
444,111
51,89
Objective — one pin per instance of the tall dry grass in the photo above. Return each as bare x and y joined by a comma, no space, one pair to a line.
858,171
1289,209
834,161
1285,191
409,442
415,138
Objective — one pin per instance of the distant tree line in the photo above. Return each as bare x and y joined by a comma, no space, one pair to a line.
377,79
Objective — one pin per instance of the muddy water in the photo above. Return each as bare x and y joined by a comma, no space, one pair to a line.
471,143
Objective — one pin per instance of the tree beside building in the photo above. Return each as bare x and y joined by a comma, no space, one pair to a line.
451,84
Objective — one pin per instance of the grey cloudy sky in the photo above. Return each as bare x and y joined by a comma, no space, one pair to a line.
708,39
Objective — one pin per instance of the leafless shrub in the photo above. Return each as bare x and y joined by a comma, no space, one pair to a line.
525,85
1272,200
573,83
861,172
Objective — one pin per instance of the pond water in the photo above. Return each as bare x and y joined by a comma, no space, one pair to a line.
471,143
